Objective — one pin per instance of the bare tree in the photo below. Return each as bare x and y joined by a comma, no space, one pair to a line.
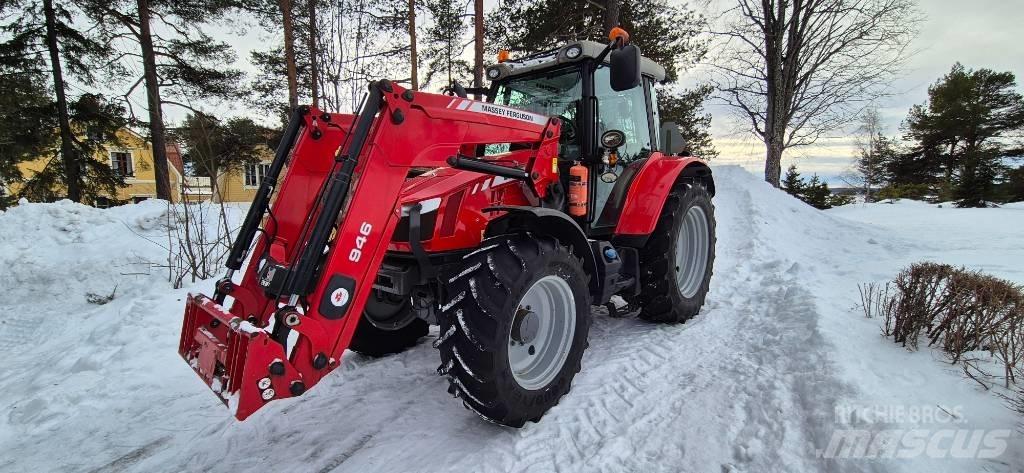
869,166
361,41
796,69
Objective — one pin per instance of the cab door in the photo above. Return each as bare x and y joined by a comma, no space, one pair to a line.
633,112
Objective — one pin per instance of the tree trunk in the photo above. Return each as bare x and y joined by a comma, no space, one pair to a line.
315,76
773,162
69,155
775,84
611,15
478,45
413,58
156,120
289,53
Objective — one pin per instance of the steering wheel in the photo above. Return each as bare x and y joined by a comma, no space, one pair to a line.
568,129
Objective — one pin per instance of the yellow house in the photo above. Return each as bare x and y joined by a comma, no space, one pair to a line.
240,185
132,157
235,185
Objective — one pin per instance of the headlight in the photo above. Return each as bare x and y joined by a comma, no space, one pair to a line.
573,52
493,73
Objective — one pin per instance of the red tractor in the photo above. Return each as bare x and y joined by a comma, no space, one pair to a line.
501,220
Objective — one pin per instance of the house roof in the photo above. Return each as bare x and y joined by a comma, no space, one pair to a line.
174,157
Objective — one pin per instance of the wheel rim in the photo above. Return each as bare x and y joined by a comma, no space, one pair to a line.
388,311
537,361
692,251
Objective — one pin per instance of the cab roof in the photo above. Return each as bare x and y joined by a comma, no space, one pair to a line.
559,56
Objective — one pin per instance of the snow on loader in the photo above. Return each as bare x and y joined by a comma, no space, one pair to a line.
502,221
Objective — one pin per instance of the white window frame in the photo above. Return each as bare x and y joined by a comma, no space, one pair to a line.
131,161
258,171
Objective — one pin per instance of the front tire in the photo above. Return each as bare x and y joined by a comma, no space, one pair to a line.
677,261
514,327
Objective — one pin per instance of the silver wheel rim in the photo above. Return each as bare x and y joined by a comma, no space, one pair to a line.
692,251
535,363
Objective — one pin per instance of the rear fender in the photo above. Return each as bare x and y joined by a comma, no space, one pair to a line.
651,187
550,222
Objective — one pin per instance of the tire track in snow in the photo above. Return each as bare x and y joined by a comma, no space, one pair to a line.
755,358
745,386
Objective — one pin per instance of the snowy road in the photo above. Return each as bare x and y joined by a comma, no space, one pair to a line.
750,385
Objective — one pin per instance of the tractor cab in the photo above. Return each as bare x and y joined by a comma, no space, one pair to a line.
605,98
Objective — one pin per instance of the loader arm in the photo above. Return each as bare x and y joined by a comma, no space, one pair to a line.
319,243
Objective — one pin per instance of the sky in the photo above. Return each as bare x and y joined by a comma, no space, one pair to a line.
977,33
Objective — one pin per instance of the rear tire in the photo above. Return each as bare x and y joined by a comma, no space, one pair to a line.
394,329
674,274
490,334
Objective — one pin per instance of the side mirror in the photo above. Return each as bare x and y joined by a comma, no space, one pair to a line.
672,141
625,68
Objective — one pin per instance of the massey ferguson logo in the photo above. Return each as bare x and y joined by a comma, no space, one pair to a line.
491,109
506,112
340,297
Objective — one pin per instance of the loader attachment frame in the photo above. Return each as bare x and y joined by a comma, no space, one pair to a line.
309,250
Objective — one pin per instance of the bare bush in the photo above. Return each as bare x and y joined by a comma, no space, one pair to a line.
873,299
954,309
198,240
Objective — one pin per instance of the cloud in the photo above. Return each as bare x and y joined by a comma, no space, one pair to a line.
978,34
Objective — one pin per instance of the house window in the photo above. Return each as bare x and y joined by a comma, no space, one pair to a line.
254,173
121,162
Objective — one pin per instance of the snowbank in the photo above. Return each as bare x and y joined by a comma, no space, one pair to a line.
57,253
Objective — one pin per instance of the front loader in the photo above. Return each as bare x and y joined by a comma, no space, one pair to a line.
502,221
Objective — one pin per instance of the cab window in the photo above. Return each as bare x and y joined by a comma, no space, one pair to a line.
625,111
553,94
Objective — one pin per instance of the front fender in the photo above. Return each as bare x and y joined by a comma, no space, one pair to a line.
547,222
650,189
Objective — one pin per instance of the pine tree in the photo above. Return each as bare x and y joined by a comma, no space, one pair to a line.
1013,188
814,192
664,32
180,64
26,118
446,44
963,131
869,165
96,121
214,147
46,36
792,183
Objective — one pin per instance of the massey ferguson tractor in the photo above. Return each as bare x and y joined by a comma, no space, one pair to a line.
502,221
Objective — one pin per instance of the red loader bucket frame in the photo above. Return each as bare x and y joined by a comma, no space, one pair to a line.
318,241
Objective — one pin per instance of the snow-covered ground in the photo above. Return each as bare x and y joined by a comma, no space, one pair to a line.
764,380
